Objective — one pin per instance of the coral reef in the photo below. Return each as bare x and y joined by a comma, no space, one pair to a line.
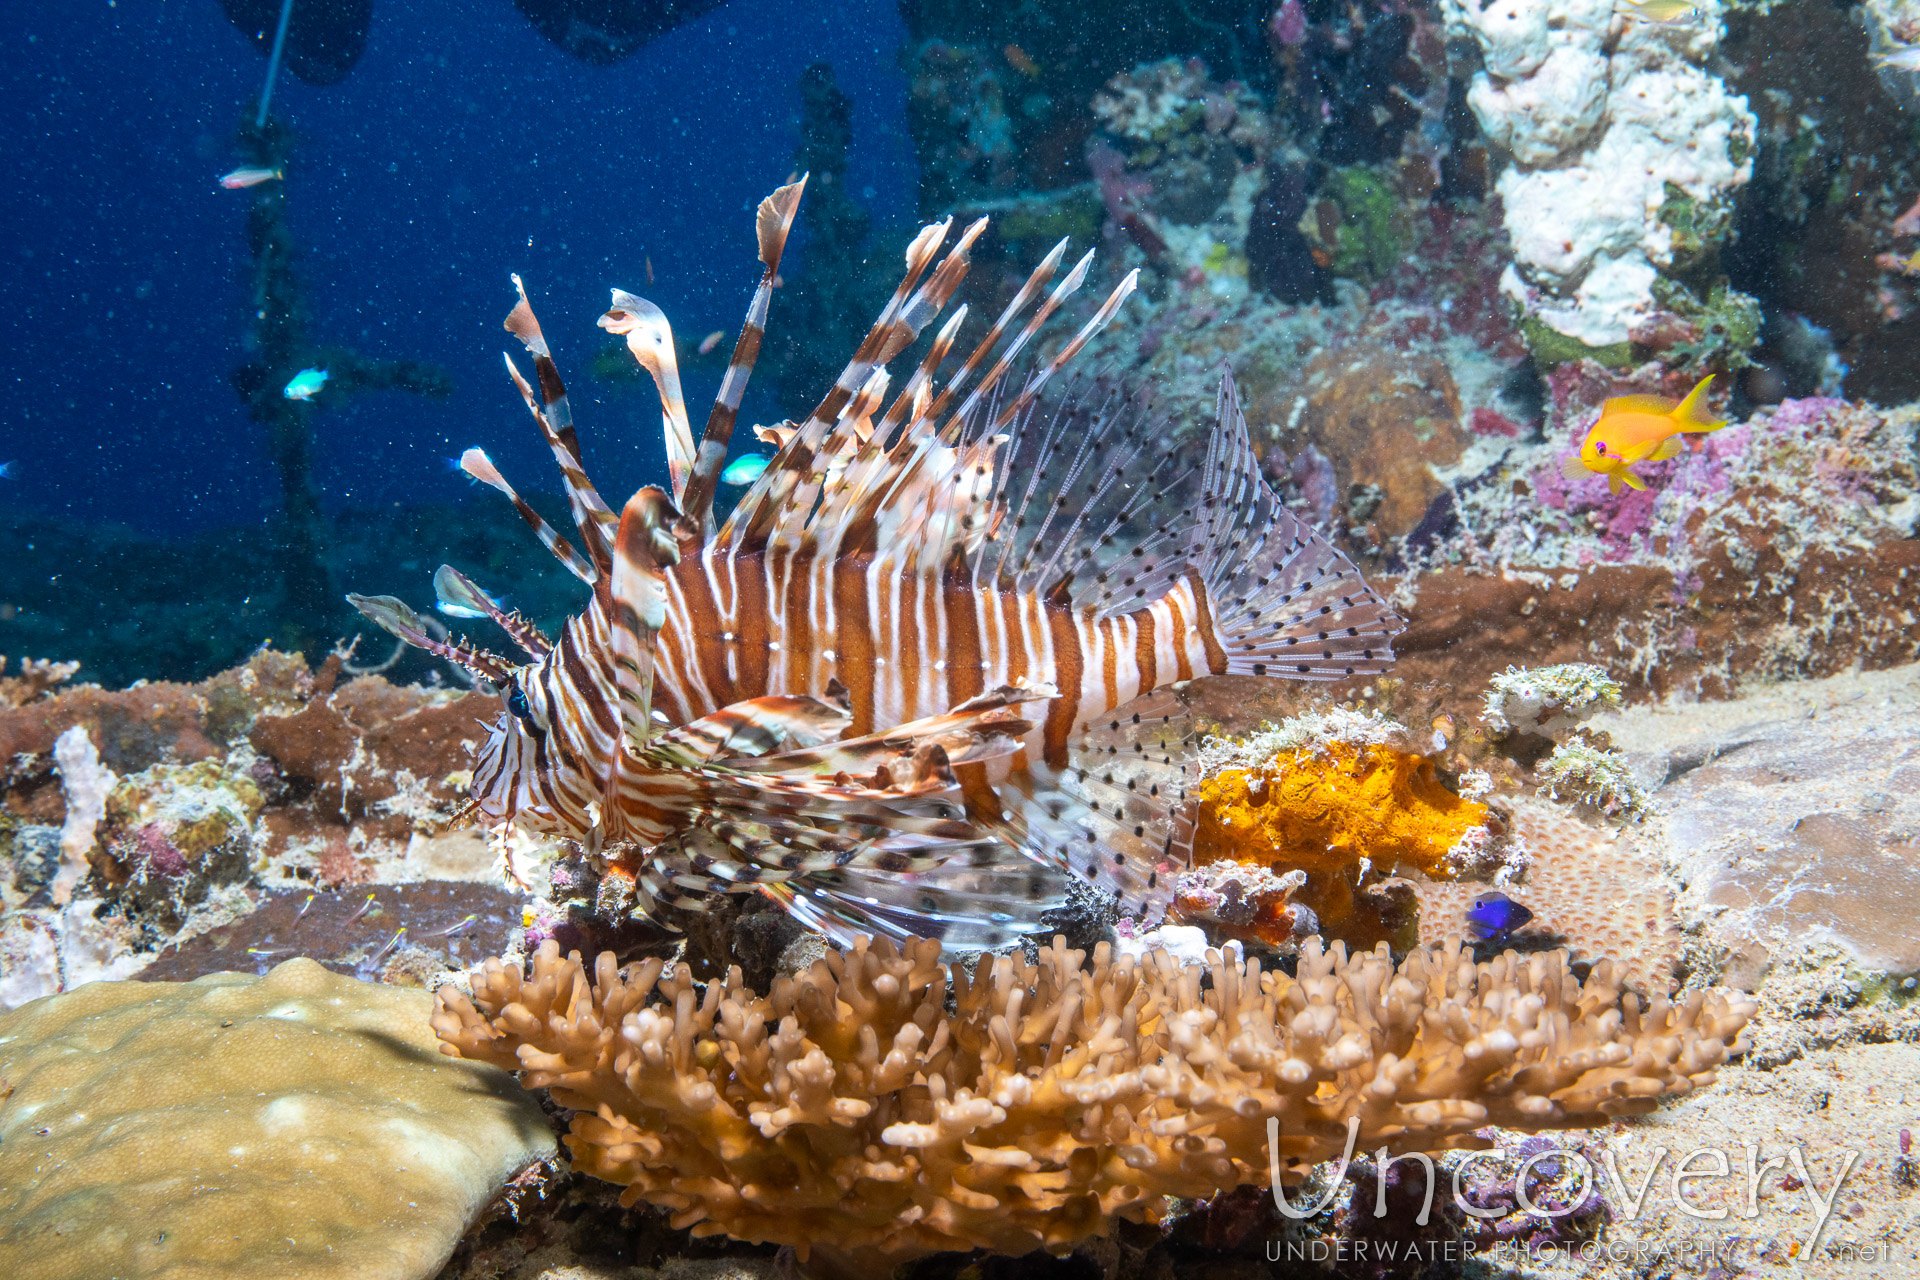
1593,892
850,1111
1593,776
1821,864
1820,235
1782,548
1547,700
140,820
36,678
1627,156
246,1127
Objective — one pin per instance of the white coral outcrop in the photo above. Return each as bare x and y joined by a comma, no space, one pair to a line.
1600,113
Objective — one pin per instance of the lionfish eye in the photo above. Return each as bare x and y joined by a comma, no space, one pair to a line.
517,703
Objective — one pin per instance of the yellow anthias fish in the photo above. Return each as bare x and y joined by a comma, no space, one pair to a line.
1640,429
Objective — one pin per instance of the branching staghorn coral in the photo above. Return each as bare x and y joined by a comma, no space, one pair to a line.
850,1110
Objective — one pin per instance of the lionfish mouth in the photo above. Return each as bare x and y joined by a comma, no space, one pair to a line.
923,674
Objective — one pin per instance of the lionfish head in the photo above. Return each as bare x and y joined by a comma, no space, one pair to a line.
507,770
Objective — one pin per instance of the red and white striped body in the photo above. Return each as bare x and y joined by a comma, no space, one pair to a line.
905,646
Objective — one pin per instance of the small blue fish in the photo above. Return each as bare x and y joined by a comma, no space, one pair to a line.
306,384
1494,915
745,470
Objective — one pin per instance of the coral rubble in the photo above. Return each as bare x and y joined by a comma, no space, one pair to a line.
850,1110
246,1127
137,820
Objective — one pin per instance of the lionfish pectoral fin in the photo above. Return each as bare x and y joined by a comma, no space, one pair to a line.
456,590
753,728
1118,817
395,617
979,899
645,546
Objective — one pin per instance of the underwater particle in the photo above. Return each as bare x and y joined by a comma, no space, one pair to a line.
305,385
745,470
711,341
1586,773
1547,700
240,179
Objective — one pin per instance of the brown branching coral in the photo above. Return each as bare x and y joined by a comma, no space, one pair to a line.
882,1105
36,678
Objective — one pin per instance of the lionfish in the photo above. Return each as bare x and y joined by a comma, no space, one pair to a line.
923,672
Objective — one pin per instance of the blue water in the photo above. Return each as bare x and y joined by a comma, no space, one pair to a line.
463,147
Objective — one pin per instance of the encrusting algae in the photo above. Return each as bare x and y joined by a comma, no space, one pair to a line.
881,1106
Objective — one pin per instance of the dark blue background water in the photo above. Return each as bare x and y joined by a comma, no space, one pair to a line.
461,148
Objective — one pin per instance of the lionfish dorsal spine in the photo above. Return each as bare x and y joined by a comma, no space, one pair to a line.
554,415
772,223
1036,281
476,464
646,545
650,341
1061,292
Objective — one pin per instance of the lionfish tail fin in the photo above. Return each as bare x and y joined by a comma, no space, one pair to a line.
1287,602
772,223
646,545
650,339
395,617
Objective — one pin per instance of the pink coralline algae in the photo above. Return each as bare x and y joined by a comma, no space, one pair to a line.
1626,518
1491,422
154,855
